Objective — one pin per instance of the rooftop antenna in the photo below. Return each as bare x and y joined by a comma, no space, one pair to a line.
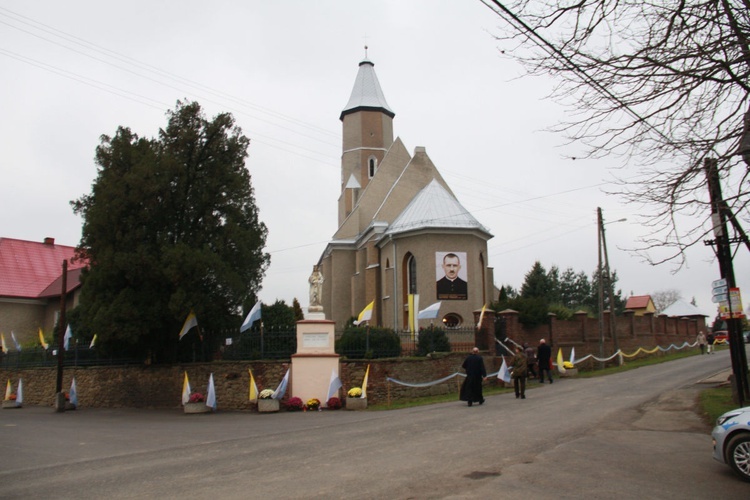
365,51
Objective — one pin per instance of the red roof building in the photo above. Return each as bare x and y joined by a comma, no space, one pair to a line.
31,285
640,304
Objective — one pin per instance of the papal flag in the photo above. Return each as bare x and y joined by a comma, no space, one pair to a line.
73,396
253,395
366,314
281,389
430,312
481,316
67,337
2,343
560,367
211,395
573,356
186,390
190,322
504,374
8,391
252,317
413,303
93,342
19,392
364,383
15,341
334,385
41,339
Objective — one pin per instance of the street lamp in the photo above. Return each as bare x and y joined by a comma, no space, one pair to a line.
610,287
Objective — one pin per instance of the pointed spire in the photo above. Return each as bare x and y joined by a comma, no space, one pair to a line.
366,94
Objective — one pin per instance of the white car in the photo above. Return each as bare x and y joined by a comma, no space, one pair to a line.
731,438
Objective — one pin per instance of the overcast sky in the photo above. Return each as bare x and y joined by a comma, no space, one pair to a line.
72,71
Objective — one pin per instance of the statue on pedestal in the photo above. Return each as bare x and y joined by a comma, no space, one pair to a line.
316,290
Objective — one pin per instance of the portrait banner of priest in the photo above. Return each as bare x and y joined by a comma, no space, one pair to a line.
450,275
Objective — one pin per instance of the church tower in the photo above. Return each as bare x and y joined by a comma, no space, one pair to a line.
367,135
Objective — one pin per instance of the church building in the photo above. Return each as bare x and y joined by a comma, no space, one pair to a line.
401,230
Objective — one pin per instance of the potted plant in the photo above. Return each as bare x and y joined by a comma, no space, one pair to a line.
295,404
312,404
11,401
196,404
266,402
333,403
354,399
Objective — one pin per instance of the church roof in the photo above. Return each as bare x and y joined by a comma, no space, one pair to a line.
434,207
681,309
367,94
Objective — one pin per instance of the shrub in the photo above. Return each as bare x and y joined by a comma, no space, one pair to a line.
432,339
382,343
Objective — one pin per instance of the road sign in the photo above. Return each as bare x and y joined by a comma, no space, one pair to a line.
721,282
720,290
719,298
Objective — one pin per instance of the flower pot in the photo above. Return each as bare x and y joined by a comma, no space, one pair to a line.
69,406
10,403
196,408
569,372
268,405
356,403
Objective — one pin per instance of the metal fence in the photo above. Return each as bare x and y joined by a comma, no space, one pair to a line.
76,356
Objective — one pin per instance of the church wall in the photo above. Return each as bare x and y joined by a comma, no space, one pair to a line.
338,269
423,246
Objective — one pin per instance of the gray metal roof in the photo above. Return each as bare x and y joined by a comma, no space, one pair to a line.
434,207
681,308
367,93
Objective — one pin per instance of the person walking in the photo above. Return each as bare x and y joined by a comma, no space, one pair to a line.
710,342
519,365
471,390
701,341
530,360
544,360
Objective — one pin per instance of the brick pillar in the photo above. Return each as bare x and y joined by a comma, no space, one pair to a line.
484,334
552,327
512,325
629,314
581,317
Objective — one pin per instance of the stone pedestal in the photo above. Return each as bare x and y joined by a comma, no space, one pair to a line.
268,405
569,372
356,403
8,404
196,408
315,360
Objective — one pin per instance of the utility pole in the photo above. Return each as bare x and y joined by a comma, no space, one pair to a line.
610,291
60,402
605,271
724,255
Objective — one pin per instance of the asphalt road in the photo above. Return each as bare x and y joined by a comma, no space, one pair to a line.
631,435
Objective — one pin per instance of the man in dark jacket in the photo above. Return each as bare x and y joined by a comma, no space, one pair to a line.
544,360
471,390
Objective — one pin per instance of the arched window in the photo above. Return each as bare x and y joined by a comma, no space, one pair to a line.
372,165
411,279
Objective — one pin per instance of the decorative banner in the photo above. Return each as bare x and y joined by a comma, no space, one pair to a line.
253,395
211,396
364,383
185,390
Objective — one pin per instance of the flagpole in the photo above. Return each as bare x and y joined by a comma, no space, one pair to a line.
261,340
367,339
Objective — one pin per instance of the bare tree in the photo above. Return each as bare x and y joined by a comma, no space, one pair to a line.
665,298
661,83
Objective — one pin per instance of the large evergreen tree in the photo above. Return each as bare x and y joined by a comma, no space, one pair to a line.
170,226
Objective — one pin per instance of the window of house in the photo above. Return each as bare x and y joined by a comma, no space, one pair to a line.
412,274
452,320
372,165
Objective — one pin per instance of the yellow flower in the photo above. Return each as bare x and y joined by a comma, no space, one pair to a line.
354,392
568,364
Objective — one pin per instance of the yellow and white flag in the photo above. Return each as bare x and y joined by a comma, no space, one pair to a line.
413,302
253,395
364,383
8,391
93,342
2,343
41,339
366,314
185,390
560,367
481,316
190,322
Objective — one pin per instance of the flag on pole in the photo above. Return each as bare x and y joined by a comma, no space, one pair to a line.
186,390
190,322
334,385
281,389
73,396
430,312
504,374
8,391
13,336
67,337
41,339
19,392
93,342
251,318
253,395
3,347
364,383
573,356
413,302
366,314
211,396
481,316
560,367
